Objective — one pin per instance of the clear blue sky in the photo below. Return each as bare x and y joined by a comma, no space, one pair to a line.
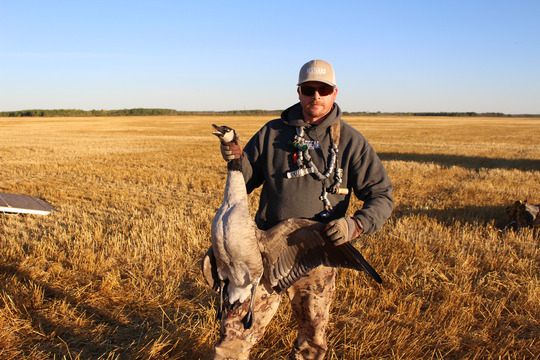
389,56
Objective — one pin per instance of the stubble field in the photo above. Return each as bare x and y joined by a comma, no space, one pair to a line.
114,274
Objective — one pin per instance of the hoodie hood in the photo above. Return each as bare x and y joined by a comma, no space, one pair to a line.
293,116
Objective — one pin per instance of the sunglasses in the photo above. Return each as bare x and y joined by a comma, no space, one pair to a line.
322,90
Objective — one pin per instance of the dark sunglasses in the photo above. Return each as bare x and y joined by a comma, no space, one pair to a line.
322,90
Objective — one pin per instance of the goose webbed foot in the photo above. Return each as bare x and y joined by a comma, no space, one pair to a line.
223,298
248,320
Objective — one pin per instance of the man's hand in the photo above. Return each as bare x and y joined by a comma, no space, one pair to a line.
231,150
342,230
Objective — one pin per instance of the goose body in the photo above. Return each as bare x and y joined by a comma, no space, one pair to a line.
242,255
236,247
235,242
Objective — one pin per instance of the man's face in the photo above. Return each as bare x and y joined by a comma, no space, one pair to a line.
315,107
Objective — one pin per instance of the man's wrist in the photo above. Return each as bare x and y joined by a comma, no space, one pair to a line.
355,227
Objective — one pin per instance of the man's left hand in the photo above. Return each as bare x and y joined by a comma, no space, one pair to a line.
342,230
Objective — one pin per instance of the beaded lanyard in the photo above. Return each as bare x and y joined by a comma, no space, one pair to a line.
306,166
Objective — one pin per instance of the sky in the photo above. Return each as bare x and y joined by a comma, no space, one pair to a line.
388,56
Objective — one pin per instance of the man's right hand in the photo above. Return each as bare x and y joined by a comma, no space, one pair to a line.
231,150
343,230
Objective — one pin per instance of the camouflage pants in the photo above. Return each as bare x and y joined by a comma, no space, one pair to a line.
310,298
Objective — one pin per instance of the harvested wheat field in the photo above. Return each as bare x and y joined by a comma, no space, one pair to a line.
114,274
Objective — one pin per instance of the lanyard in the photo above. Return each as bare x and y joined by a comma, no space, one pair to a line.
306,166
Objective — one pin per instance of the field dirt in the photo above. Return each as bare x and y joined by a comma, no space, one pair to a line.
114,274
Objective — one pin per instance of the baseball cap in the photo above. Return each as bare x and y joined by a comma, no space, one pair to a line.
317,70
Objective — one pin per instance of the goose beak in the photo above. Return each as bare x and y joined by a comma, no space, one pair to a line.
220,131
225,133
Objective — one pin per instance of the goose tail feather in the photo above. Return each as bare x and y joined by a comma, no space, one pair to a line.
358,261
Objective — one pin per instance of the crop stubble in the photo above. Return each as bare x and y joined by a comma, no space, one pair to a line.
115,275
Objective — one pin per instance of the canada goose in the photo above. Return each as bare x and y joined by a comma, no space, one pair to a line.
234,238
242,255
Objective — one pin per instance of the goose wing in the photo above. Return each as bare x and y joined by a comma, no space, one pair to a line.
295,246
209,269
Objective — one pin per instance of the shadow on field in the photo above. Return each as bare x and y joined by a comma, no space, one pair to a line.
65,325
471,162
472,215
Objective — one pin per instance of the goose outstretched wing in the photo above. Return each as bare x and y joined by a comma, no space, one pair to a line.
295,246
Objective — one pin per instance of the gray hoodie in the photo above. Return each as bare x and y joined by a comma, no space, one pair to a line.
268,157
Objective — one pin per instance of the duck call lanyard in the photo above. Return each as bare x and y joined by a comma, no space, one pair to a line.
306,166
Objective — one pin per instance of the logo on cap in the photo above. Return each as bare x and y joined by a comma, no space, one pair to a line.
316,71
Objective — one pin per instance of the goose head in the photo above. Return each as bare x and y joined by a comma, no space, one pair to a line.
225,133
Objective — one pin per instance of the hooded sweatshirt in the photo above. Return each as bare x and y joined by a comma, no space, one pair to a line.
268,157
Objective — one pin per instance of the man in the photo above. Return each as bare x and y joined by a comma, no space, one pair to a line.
309,163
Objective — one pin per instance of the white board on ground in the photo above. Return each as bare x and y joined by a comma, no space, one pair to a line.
24,204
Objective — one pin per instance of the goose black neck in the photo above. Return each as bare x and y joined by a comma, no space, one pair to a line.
235,165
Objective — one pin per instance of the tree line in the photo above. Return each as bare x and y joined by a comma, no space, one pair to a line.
128,112
446,114
170,112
